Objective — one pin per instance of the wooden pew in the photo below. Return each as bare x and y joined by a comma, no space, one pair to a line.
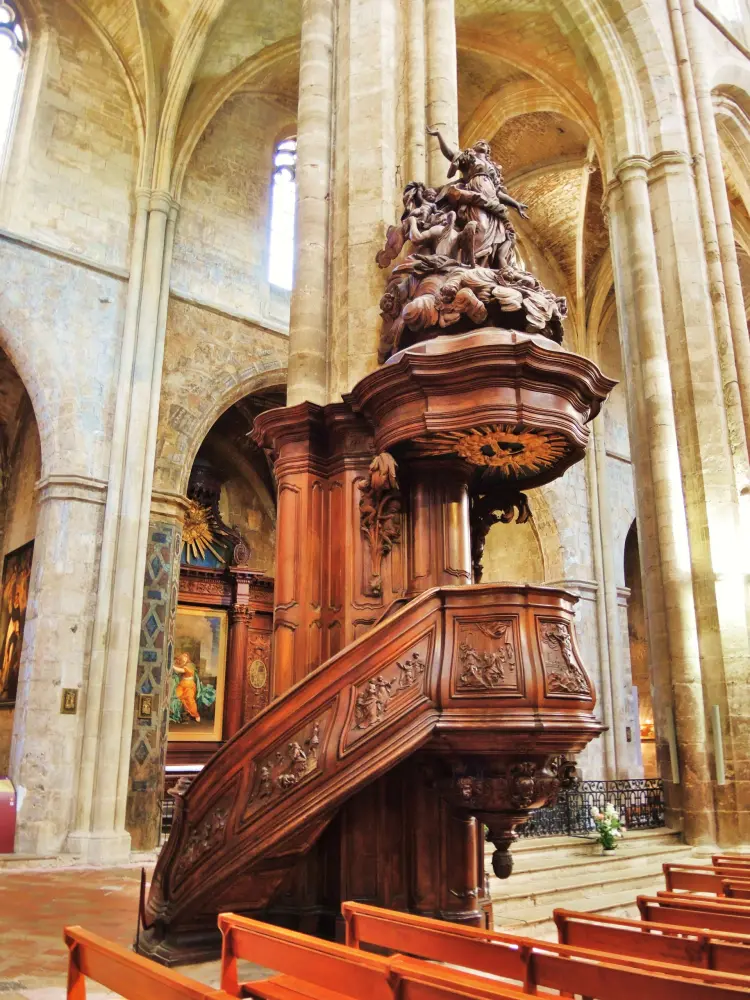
591,973
124,972
690,911
315,968
700,878
736,890
708,949
731,860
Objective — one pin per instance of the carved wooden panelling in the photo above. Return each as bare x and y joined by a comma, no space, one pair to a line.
292,761
486,658
257,674
384,695
209,835
564,677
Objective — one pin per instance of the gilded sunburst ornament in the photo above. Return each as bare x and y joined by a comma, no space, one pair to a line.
515,451
197,533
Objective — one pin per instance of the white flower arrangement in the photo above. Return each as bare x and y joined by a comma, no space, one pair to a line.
609,827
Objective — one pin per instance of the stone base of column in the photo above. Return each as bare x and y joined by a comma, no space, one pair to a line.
100,848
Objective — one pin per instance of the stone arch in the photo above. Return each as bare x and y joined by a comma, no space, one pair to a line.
187,52
21,357
181,437
253,75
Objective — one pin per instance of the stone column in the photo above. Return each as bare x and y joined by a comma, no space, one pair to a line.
667,582
46,748
308,327
148,744
712,470
605,693
415,154
99,833
621,683
367,184
718,232
442,83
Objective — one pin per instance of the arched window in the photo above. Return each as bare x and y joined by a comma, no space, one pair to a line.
12,50
283,191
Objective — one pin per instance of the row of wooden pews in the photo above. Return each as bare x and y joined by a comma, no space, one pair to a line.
690,943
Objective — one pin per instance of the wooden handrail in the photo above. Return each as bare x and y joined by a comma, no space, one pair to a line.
125,973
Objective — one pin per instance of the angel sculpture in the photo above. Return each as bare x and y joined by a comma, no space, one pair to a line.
462,270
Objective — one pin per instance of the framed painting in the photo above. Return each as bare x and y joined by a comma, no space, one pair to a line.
13,601
199,666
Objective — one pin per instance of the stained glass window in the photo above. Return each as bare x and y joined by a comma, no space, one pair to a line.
12,51
283,191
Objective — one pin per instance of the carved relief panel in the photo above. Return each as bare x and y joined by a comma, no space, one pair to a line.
486,658
294,760
564,677
257,673
384,696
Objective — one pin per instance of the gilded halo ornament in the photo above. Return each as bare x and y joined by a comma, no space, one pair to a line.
198,534
515,451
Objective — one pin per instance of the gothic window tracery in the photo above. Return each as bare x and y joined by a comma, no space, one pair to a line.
12,54
283,194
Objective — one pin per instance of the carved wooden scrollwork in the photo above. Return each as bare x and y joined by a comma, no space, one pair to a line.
380,508
563,675
498,507
289,766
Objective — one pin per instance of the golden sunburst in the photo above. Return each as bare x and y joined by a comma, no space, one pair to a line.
197,533
515,451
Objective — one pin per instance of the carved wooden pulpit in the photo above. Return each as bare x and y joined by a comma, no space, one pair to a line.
411,707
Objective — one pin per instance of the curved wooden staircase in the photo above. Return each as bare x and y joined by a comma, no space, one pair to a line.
465,675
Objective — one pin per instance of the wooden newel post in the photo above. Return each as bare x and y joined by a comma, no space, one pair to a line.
239,620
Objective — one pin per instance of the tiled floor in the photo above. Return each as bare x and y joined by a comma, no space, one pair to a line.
35,905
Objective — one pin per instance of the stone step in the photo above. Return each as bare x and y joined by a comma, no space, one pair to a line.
530,922
623,857
563,888
559,847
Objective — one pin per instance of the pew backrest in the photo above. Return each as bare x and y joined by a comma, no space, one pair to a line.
678,945
731,860
736,890
677,909
324,966
125,973
533,963
700,878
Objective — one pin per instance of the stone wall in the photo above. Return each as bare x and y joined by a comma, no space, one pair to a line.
221,245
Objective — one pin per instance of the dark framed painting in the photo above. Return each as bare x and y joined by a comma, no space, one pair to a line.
14,598
199,666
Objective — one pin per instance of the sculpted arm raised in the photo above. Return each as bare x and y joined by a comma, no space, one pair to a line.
448,153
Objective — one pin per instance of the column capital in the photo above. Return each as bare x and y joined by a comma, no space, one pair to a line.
61,486
668,159
168,506
632,168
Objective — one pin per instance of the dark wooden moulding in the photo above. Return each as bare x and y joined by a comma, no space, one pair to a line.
410,707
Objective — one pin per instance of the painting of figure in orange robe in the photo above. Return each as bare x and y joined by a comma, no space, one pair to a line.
13,601
198,668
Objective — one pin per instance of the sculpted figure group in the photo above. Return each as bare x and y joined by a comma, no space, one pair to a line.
462,270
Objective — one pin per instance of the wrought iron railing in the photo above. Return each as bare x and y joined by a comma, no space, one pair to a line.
638,801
